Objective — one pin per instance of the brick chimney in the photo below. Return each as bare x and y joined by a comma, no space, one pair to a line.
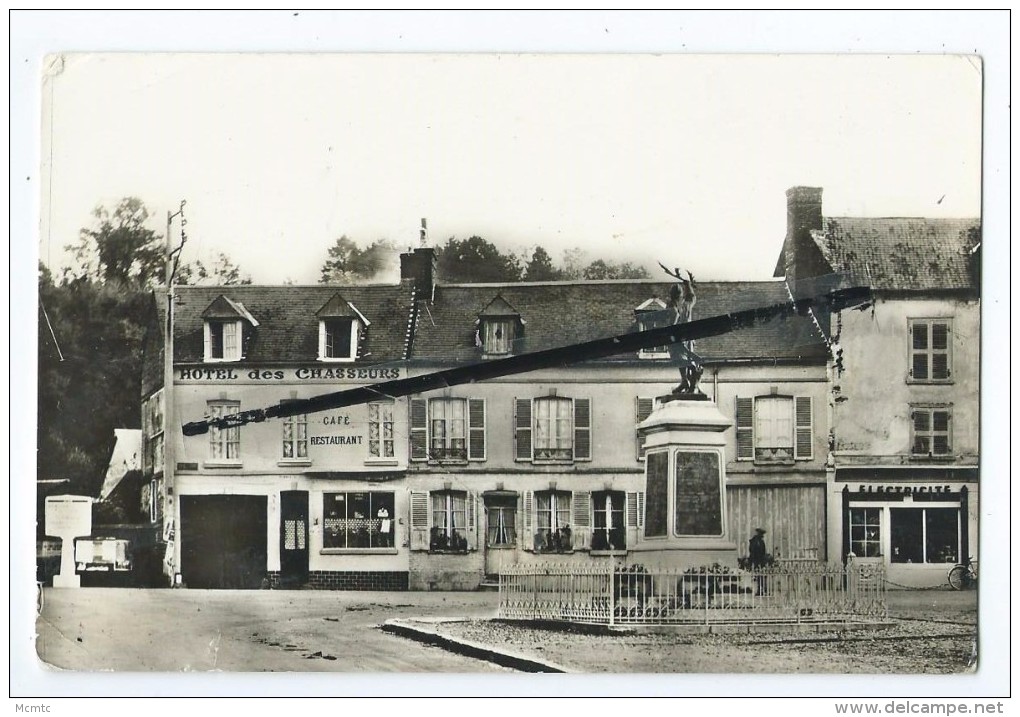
803,214
419,267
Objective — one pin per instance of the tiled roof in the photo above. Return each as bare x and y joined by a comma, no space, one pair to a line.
563,313
906,254
288,329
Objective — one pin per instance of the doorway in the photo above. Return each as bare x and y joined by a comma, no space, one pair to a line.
500,531
293,538
223,541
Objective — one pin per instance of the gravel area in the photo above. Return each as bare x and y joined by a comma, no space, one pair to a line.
909,645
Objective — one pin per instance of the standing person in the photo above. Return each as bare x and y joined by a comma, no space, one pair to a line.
757,557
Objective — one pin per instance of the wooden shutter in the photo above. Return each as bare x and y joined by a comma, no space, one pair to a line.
522,429
582,429
419,520
634,514
419,430
525,537
919,351
940,351
745,428
471,510
476,429
581,529
803,445
643,408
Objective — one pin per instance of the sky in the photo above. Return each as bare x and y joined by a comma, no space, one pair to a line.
664,146
678,158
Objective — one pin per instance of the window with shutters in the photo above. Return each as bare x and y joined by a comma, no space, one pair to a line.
552,429
224,443
608,529
774,429
553,533
497,336
931,436
361,520
501,521
380,431
447,429
930,351
449,533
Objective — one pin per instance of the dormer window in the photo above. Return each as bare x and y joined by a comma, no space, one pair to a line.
498,326
224,327
340,329
652,314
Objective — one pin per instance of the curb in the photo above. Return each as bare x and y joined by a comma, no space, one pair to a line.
406,628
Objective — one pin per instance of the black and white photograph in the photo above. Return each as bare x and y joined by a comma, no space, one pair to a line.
501,369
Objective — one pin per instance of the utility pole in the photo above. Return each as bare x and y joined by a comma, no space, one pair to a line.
170,532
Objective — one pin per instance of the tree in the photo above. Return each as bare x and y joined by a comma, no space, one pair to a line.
540,267
223,272
119,248
349,263
602,269
475,260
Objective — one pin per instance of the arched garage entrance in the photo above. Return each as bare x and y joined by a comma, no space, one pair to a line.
223,541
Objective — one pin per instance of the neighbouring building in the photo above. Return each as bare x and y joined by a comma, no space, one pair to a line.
905,386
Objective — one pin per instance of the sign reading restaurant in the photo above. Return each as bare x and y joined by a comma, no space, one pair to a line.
305,373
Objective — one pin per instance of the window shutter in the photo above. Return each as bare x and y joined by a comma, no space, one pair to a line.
803,445
581,529
643,408
527,507
582,429
476,429
419,429
745,428
471,508
207,332
634,516
419,520
522,429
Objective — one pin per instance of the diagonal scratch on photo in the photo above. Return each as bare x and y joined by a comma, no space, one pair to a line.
509,364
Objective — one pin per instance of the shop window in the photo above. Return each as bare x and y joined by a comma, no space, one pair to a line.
924,535
449,522
608,529
774,429
866,532
501,521
447,429
930,350
931,434
380,430
224,443
552,429
295,437
362,520
698,494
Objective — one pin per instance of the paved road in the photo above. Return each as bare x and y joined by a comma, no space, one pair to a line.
100,629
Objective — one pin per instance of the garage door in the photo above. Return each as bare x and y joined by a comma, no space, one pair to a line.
223,541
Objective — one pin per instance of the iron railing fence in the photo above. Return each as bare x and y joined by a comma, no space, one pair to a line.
634,595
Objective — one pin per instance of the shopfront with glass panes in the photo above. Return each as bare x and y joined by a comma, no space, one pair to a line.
918,530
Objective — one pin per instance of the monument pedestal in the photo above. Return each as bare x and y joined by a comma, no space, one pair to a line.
685,522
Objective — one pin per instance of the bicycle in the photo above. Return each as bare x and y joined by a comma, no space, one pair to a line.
964,575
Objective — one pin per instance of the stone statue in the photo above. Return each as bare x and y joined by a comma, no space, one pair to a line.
682,297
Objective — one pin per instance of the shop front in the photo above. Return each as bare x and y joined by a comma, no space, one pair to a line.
918,528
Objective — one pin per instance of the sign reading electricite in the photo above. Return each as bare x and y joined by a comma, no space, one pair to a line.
314,373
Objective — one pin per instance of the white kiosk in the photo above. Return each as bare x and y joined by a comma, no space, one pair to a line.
68,517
